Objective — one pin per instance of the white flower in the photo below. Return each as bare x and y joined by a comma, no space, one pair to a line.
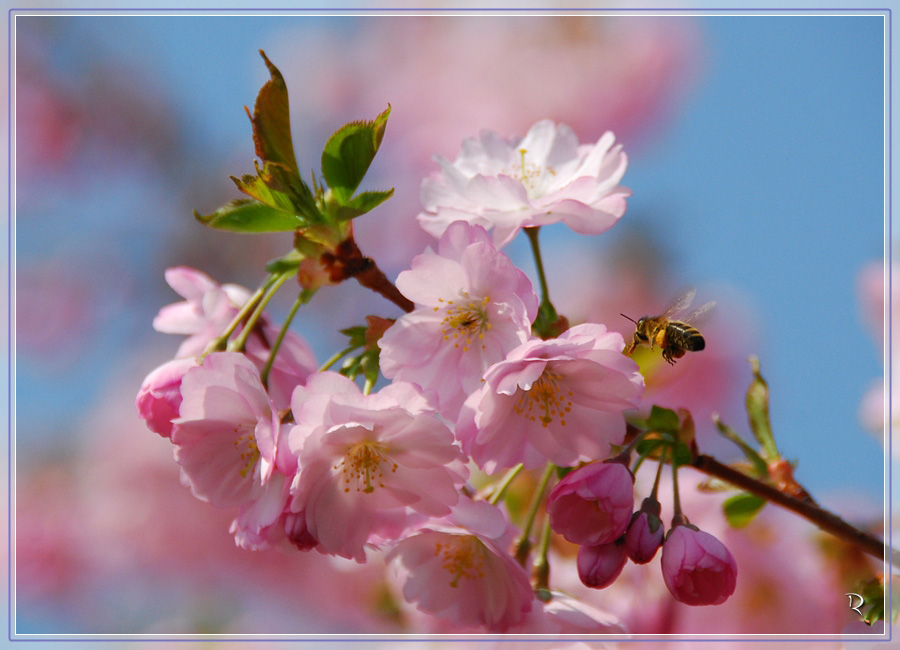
540,179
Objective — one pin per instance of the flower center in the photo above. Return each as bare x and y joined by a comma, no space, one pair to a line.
530,174
365,464
547,400
460,558
465,320
245,444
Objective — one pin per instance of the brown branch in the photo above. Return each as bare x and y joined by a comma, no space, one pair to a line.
807,509
347,261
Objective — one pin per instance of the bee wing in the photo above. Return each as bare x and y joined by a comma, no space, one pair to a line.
698,313
678,305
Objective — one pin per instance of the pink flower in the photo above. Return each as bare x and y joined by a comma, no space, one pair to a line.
208,309
543,178
227,434
457,569
592,504
697,568
599,566
645,533
559,400
472,307
567,615
159,397
370,465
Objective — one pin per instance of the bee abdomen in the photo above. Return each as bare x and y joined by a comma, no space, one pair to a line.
685,336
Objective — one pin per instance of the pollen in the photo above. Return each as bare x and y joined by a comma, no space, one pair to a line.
548,400
461,558
365,465
530,174
248,452
466,320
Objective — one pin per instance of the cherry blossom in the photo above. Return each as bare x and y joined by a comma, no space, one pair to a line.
159,397
543,178
601,564
207,310
592,504
225,440
457,569
559,400
369,465
697,568
472,307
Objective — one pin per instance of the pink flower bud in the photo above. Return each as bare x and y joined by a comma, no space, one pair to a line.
599,566
697,568
593,504
159,398
645,533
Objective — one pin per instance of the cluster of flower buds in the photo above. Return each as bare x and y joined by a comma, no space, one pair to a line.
481,375
593,506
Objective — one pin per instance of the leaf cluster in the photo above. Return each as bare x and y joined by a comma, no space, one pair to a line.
280,200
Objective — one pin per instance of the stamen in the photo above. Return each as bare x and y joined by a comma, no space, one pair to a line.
245,444
466,320
365,464
548,400
461,557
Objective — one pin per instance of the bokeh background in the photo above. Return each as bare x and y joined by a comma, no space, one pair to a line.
756,157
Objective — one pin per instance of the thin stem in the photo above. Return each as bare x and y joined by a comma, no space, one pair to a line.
241,341
368,384
676,504
337,357
662,461
505,483
538,261
542,565
303,298
524,544
825,520
220,341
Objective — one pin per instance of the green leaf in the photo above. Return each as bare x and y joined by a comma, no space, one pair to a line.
758,412
245,215
356,334
742,508
681,454
348,154
759,465
277,187
362,203
272,122
662,419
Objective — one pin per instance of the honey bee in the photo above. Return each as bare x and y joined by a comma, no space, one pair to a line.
674,337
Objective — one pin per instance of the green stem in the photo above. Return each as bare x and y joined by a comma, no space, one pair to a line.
241,341
302,299
662,461
538,261
677,517
337,357
221,341
367,386
542,565
524,545
501,489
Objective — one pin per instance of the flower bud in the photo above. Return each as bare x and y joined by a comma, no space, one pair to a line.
600,565
645,533
697,568
593,504
159,398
